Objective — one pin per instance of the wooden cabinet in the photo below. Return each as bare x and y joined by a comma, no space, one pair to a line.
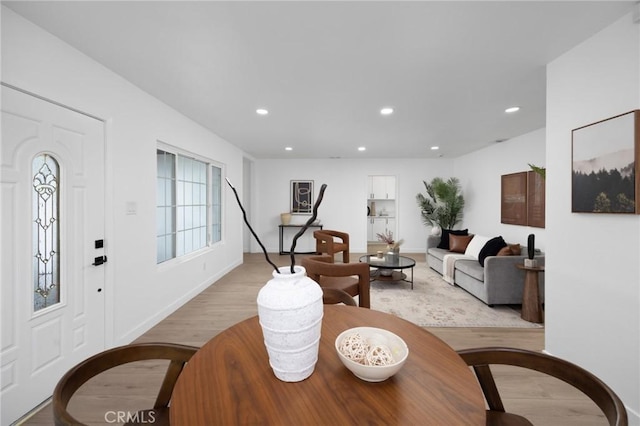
382,188
381,200
380,225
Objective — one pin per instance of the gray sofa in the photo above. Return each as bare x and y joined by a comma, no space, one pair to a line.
499,282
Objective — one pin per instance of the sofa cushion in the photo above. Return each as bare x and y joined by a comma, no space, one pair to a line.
444,238
476,244
491,248
471,268
459,243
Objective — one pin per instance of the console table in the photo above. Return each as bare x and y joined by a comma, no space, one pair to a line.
281,228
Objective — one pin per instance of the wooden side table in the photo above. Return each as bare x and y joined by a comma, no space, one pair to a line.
531,304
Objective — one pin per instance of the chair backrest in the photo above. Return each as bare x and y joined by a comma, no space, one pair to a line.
352,278
332,296
103,361
589,384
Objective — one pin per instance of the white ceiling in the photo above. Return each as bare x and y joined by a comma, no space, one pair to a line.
324,69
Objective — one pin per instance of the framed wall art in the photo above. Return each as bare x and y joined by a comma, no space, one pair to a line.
301,196
536,196
522,200
604,166
513,206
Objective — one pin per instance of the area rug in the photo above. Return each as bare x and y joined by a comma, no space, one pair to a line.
435,303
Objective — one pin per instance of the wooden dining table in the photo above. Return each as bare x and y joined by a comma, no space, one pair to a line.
229,381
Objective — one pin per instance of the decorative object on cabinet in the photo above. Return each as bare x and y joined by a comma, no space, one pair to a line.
542,171
443,206
604,166
285,218
301,196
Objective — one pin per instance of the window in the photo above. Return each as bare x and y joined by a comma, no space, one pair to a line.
166,204
46,244
216,203
189,204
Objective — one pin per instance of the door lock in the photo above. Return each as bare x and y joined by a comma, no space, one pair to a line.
99,260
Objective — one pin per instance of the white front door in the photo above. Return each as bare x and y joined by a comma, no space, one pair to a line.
52,221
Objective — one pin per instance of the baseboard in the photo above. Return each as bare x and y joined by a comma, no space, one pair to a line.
35,410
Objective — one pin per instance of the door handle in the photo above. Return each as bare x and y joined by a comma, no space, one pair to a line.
99,260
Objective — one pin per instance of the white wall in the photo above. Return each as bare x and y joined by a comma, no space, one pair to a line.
139,292
592,275
480,176
592,290
344,205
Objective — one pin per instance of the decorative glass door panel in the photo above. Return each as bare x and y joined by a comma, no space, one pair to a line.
46,244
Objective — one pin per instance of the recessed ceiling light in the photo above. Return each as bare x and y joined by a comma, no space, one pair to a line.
362,148
435,148
386,111
512,109
288,148
262,111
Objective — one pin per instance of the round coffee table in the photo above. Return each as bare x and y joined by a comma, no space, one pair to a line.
392,264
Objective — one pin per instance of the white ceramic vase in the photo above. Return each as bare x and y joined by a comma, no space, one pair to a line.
290,310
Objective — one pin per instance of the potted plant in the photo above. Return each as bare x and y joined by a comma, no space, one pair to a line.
442,206
393,246
542,171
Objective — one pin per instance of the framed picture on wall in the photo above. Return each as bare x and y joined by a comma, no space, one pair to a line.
513,206
604,165
535,200
301,196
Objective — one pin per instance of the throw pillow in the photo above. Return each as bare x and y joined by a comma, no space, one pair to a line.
505,251
491,248
510,250
516,250
444,237
459,243
474,247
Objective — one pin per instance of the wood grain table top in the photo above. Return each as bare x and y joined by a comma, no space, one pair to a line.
229,381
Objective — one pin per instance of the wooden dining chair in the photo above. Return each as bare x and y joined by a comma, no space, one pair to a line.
332,242
332,296
103,361
481,358
353,278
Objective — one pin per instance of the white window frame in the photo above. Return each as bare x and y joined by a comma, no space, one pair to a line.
209,164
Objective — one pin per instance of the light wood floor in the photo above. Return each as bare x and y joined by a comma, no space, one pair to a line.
544,400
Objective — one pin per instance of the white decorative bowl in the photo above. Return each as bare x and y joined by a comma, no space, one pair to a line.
375,336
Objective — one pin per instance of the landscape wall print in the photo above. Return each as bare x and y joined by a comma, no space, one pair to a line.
604,159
